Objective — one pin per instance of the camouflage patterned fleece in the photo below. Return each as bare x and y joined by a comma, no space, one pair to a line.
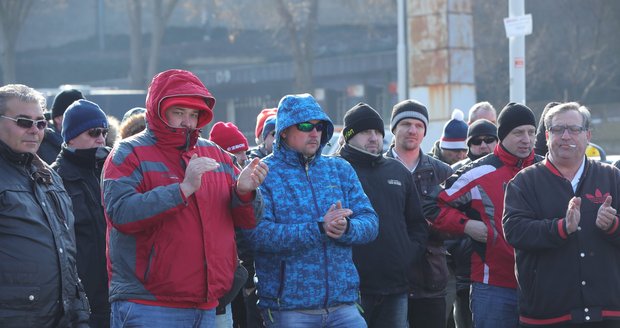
297,265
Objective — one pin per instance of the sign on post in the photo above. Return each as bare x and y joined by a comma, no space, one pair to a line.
518,26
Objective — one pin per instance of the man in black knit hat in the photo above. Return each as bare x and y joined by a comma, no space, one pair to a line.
50,147
428,277
472,204
383,264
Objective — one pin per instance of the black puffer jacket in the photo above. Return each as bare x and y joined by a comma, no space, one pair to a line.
384,263
39,285
80,171
429,276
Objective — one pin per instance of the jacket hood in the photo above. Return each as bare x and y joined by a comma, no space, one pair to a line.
176,83
294,109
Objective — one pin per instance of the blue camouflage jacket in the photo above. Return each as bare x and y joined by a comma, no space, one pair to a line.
297,265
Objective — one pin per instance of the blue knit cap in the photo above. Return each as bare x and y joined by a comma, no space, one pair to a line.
269,126
80,116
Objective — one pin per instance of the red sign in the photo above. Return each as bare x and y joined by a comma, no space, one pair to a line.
519,62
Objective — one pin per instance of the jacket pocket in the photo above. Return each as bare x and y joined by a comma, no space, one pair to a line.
19,297
435,268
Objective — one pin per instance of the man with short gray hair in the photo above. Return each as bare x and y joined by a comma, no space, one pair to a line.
39,285
484,110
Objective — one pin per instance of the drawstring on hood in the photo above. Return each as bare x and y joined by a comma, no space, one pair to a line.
177,88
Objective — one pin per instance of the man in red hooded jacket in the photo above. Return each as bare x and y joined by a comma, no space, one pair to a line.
172,200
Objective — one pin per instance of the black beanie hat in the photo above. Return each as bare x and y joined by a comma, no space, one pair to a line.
481,127
409,109
512,116
63,99
359,118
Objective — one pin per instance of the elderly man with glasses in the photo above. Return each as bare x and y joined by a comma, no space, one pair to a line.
561,217
79,164
315,210
39,285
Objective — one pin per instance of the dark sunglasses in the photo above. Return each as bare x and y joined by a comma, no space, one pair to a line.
95,133
27,123
307,126
487,140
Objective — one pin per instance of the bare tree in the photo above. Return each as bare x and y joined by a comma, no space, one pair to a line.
162,10
13,13
300,19
570,56
136,62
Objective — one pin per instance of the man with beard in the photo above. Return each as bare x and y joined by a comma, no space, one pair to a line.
383,264
315,211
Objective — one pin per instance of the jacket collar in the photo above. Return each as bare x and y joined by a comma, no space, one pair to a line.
511,160
358,157
423,159
20,159
39,171
92,158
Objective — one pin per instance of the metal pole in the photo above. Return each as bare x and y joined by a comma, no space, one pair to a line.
517,56
401,50
101,24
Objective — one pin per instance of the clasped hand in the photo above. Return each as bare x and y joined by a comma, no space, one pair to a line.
335,222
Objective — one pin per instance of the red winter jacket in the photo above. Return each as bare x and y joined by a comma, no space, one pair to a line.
165,249
476,192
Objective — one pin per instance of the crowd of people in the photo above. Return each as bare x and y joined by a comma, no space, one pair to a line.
505,222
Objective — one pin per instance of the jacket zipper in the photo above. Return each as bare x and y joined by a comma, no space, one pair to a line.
325,302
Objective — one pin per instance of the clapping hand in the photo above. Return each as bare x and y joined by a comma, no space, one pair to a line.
606,216
252,176
335,222
573,214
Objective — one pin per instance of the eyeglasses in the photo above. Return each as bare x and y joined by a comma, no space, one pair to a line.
27,123
572,129
307,126
96,132
487,140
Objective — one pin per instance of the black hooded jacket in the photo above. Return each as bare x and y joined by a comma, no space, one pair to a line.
384,264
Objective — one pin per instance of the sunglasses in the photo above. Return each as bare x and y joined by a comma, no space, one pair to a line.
307,126
487,140
27,123
95,133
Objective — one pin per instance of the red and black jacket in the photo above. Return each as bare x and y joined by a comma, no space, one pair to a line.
476,192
